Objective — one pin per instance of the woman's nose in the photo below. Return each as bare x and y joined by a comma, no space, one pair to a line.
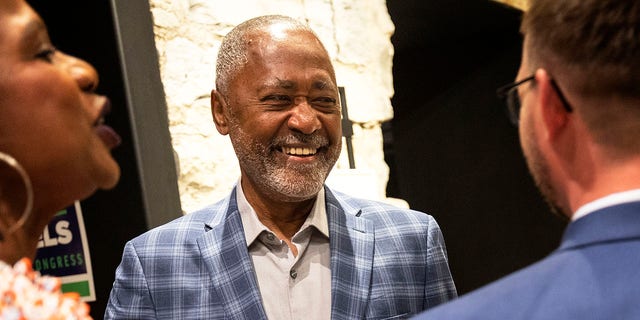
83,73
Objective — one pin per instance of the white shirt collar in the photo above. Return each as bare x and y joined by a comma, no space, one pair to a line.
253,227
607,201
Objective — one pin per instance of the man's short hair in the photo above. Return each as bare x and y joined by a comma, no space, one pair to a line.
597,40
232,55
592,48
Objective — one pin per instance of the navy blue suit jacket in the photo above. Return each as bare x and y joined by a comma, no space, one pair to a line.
594,274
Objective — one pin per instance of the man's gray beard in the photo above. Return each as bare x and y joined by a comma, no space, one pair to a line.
283,188
288,184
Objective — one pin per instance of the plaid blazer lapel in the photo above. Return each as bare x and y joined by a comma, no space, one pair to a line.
351,241
224,251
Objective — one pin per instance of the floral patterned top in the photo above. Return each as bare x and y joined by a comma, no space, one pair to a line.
26,295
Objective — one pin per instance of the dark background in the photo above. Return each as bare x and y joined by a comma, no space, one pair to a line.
86,29
450,148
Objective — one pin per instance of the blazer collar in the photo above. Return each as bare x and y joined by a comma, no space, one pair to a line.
224,251
615,223
351,243
225,254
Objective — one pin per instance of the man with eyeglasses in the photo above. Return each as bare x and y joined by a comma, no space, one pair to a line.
576,102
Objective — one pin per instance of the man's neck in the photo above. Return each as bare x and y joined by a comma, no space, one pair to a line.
617,178
282,217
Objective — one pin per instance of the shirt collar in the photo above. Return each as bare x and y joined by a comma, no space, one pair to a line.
253,227
607,201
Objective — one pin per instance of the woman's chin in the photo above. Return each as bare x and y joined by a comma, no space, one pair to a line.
106,171
110,178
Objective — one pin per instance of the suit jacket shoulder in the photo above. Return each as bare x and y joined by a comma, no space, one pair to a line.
194,267
186,228
397,254
592,275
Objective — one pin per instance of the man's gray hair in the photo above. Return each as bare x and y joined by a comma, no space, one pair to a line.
233,51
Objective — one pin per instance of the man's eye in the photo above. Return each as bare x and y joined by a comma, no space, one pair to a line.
276,98
325,102
46,54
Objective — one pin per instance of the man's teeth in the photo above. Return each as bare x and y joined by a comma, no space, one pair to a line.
299,151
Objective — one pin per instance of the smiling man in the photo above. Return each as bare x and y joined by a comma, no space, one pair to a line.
282,245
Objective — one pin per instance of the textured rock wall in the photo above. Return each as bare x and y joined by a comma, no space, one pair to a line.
188,34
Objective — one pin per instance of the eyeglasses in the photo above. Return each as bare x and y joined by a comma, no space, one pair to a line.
509,94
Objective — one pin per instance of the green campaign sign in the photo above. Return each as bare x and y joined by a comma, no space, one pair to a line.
63,251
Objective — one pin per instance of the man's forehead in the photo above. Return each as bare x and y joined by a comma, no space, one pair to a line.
279,31
298,45
319,84
281,36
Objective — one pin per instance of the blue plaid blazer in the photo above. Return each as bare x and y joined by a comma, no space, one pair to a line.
386,263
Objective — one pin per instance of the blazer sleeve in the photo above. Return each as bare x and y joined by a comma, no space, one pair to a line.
440,287
130,297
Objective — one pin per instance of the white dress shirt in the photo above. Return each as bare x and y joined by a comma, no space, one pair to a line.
292,287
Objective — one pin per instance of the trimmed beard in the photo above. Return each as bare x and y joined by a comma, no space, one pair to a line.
540,172
288,183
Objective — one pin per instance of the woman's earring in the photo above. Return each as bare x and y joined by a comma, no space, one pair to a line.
13,163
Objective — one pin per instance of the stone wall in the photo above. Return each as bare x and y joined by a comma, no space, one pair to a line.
188,34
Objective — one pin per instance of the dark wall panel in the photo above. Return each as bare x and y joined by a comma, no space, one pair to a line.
87,29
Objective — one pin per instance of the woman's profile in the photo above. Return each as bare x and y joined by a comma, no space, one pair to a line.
54,149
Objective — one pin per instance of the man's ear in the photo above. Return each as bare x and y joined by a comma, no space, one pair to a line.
219,112
554,115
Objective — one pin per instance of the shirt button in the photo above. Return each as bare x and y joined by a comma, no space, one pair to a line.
293,274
